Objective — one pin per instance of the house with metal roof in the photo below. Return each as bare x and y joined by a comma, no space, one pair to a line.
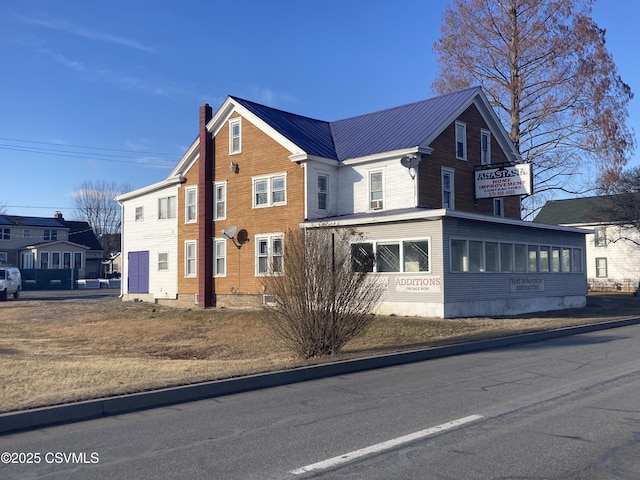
613,244
433,186
51,244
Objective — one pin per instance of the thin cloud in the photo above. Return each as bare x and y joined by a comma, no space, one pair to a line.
66,27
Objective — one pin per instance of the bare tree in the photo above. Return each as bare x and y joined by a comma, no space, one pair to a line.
322,299
95,203
545,68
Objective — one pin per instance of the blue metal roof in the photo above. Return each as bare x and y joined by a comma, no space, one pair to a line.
312,136
20,221
397,128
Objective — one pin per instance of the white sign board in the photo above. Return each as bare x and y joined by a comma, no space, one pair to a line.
421,284
504,181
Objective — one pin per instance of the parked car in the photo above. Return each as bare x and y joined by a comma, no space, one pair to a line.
10,282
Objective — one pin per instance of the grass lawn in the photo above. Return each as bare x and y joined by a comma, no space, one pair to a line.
55,352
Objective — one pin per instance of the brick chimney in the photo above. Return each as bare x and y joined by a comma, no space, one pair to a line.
205,210
58,216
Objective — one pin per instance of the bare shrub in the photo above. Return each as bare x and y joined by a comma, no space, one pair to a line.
321,300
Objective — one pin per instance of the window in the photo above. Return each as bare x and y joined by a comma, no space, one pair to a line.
544,263
269,254
448,194
416,256
520,254
458,255
376,194
163,261
190,258
26,233
566,259
139,214
362,257
506,257
220,201
167,207
50,235
44,260
390,256
576,260
235,136
555,259
5,234
77,260
532,255
220,258
191,204
601,267
498,207
66,260
270,191
475,256
322,191
600,237
485,147
491,259
461,141
4,257
55,260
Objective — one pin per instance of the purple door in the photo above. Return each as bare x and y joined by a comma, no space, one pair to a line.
138,272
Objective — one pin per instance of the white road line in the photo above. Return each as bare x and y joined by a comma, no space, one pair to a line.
363,452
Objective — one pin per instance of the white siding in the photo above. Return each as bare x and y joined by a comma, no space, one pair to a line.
155,236
623,257
353,183
312,171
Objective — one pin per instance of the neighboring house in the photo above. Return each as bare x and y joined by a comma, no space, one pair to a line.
613,246
405,177
50,244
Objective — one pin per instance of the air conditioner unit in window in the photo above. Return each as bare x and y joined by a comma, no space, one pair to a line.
376,204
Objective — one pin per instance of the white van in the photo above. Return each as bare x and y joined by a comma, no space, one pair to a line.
10,282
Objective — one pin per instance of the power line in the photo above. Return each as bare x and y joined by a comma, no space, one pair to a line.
82,146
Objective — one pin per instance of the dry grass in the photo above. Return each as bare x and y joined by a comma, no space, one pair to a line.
56,352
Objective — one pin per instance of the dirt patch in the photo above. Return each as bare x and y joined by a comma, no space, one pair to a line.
54,351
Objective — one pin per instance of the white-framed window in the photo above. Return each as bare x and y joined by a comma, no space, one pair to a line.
44,260
485,147
322,190
448,190
235,136
498,207
4,257
190,259
166,207
391,256
461,140
220,257
77,260
601,267
66,260
220,201
470,255
50,235
270,190
269,254
55,260
163,261
139,216
376,190
600,237
26,233
191,204
5,234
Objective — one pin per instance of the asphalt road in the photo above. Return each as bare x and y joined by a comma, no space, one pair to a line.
567,408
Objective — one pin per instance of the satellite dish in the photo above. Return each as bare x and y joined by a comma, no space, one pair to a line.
410,161
230,232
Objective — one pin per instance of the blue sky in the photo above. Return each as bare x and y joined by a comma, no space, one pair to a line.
111,90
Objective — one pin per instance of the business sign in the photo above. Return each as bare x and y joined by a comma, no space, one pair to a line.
526,284
421,284
504,181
